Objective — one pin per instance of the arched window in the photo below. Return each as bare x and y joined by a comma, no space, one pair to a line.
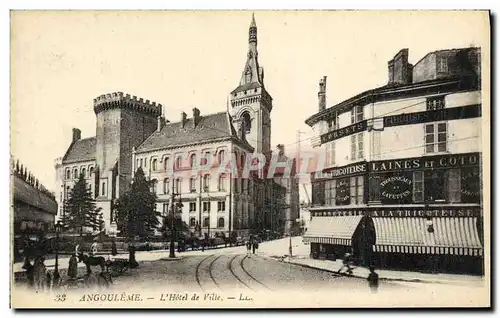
91,171
166,163
247,122
153,164
206,183
222,182
84,172
103,187
192,160
178,162
166,186
192,222
68,174
178,185
220,157
206,221
221,222
75,173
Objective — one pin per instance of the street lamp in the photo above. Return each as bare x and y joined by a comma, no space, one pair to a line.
58,227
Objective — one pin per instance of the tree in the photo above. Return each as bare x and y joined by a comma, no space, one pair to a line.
81,209
136,209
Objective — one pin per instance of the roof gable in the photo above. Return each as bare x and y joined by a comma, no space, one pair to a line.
81,150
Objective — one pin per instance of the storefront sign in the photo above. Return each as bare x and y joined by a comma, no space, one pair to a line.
471,111
357,168
417,211
470,189
343,132
396,188
430,162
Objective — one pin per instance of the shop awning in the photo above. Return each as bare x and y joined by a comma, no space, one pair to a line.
335,230
457,236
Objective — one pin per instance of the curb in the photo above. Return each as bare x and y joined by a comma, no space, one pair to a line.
406,280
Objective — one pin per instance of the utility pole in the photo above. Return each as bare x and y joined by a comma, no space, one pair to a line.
172,223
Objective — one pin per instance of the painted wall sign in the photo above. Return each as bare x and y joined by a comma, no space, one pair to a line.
353,169
454,113
342,196
428,162
396,188
417,211
470,185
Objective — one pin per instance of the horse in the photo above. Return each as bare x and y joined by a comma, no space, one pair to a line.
92,261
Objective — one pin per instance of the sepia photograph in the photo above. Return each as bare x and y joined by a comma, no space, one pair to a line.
250,159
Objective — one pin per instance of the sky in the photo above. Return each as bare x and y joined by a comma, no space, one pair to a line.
62,60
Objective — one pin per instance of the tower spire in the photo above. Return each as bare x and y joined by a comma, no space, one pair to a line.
252,32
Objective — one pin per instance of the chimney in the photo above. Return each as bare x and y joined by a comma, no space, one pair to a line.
77,134
161,123
322,94
400,71
196,116
183,119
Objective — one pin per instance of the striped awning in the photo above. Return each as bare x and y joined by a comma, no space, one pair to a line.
334,230
457,236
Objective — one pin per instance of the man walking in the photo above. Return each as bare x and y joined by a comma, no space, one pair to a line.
373,279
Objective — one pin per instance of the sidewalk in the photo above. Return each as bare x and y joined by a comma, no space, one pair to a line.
278,250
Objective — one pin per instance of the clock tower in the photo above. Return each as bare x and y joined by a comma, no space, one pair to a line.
251,104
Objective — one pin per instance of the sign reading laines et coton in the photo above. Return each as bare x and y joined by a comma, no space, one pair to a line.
427,162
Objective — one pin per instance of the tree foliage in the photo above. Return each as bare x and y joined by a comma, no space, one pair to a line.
80,208
136,213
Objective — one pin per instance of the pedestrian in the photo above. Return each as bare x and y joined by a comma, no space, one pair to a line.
93,249
131,257
372,279
114,251
73,266
249,247
254,246
48,281
346,263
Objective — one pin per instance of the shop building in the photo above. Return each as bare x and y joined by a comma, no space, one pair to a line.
401,184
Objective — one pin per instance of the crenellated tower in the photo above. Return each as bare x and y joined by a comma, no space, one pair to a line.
123,122
251,103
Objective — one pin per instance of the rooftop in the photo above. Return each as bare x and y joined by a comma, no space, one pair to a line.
81,150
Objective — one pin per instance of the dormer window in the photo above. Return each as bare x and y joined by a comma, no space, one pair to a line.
442,66
248,75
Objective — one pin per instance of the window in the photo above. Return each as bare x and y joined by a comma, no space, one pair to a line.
330,187
140,164
357,190
206,183
84,172
68,174
435,103
153,165
357,114
166,163
236,186
166,186
436,137
374,188
75,173
418,186
154,184
178,185
192,184
220,156
103,189
442,64
434,185
333,124
192,222
66,195
192,206
192,160
221,223
222,182
221,206
208,157
206,222
454,186
330,153
206,206
357,146
91,171
178,162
